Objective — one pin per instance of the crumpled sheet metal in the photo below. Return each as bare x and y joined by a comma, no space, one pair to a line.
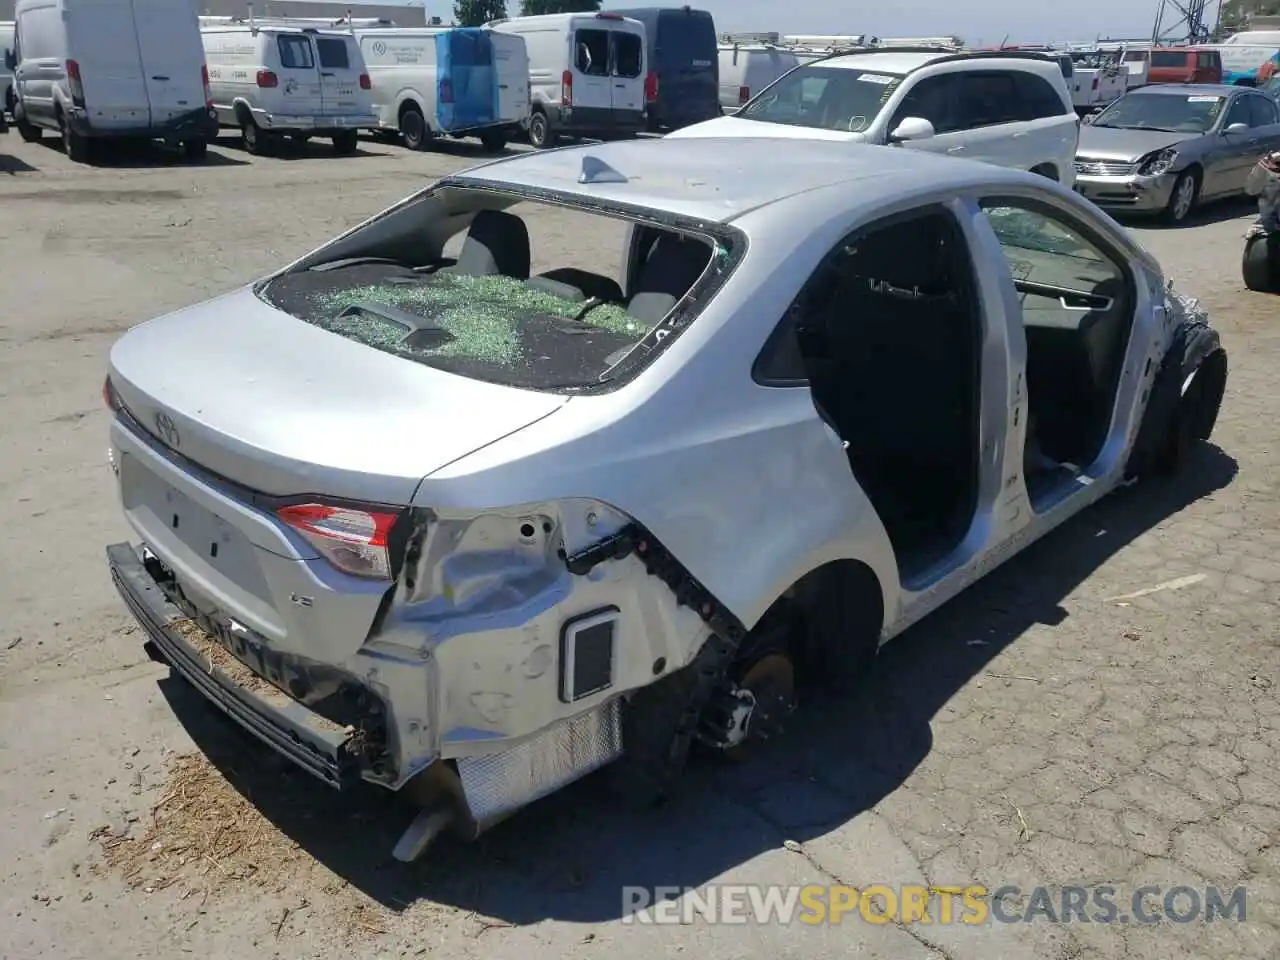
498,784
1264,183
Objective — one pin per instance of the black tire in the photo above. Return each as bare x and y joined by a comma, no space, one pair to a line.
29,132
1183,197
1260,264
346,142
495,141
253,139
195,150
414,129
541,134
75,145
1175,418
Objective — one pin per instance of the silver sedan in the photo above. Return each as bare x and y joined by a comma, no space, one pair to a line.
1165,148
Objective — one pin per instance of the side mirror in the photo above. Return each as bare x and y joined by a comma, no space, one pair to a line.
1237,128
912,128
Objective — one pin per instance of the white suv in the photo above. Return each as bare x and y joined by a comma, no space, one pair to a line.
1010,109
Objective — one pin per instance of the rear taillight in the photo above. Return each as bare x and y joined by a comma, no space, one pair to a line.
75,82
566,89
353,540
204,79
744,94
651,86
267,79
365,83
446,91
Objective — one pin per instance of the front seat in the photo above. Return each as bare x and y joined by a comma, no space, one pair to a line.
674,265
497,244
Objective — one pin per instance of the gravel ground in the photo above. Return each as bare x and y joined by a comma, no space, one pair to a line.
1040,730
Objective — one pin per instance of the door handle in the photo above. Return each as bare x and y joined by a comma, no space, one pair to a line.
159,78
323,74
620,86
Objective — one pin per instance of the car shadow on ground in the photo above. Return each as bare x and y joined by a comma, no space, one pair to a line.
465,148
569,856
289,149
11,165
148,154
1214,211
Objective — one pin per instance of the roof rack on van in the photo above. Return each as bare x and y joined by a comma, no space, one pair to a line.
298,22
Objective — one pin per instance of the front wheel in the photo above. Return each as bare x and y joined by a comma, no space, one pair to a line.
1260,265
75,145
346,142
1182,199
29,132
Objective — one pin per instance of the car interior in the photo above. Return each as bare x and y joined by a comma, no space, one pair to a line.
889,332
391,288
1077,310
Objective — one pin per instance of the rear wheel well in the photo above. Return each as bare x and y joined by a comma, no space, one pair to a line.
244,116
839,609
1047,170
406,107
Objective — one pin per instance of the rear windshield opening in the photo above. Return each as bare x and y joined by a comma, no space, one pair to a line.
533,295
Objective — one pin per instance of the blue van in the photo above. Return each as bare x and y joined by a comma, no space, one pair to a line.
683,85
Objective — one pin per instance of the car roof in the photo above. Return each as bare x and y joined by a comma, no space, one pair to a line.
719,179
889,61
1191,89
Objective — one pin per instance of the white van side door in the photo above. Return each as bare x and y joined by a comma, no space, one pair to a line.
172,57
627,66
298,92
341,67
511,63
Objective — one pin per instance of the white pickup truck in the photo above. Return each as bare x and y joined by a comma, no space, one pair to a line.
1098,78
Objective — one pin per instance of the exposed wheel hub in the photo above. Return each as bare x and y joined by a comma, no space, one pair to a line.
754,707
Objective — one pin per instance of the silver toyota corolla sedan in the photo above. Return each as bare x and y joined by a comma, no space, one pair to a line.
465,506
1164,148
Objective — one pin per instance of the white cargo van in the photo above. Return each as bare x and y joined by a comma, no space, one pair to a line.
90,69
747,66
461,82
6,71
270,79
586,75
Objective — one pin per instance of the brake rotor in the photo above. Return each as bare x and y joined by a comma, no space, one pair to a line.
771,681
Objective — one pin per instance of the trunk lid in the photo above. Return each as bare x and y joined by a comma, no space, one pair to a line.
278,405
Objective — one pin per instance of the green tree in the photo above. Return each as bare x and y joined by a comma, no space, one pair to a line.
532,8
473,13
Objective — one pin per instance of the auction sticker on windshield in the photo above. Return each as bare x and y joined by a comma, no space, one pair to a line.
1203,99
876,78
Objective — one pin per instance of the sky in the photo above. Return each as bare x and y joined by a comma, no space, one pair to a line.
979,22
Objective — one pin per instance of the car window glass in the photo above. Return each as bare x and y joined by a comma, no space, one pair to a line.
831,98
1263,112
592,56
1036,98
295,52
627,54
1047,247
333,53
987,99
1168,58
931,99
1238,112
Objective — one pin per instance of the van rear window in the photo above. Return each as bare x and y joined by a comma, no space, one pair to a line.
295,52
1170,58
333,53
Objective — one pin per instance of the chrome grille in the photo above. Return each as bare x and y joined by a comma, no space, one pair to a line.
1104,168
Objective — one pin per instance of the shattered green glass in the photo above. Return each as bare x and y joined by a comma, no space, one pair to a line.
482,315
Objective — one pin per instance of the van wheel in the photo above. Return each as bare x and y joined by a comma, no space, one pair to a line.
541,135
28,130
346,142
494,142
252,138
195,150
413,126
76,146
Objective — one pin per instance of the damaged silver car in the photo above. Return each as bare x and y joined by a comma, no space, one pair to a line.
469,516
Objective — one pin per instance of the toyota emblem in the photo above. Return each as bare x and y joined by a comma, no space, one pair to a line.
168,429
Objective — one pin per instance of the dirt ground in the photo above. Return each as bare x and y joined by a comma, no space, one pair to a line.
1063,723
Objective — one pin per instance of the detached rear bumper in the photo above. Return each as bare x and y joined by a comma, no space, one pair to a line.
291,729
